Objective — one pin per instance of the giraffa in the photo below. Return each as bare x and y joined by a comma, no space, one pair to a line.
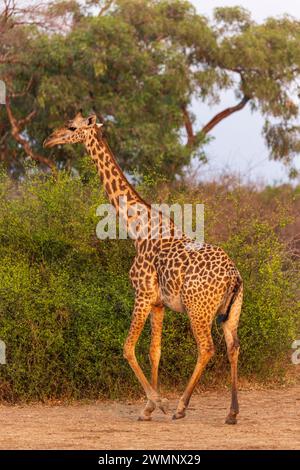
202,281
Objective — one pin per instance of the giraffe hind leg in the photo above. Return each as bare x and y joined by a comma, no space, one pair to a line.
202,334
230,327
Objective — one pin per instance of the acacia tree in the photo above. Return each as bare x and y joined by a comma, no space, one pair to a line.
139,64
17,24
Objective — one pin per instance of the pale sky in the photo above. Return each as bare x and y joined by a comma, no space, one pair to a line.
238,144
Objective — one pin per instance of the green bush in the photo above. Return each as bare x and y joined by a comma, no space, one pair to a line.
66,299
270,319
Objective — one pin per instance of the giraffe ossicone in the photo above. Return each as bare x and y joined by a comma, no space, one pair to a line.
201,281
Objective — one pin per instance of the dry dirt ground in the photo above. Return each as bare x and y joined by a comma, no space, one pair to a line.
269,419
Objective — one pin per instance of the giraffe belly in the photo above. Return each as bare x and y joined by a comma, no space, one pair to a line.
170,290
174,302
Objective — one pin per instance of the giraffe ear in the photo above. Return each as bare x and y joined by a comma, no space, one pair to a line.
99,125
91,120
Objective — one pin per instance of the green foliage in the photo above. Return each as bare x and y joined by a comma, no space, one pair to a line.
270,317
66,300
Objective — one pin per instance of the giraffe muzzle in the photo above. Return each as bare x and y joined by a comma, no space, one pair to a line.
54,139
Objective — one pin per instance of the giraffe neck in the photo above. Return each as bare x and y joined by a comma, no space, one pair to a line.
114,180
129,205
121,194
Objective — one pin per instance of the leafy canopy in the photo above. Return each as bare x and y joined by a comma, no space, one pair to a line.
139,64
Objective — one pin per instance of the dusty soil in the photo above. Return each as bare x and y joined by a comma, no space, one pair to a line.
269,419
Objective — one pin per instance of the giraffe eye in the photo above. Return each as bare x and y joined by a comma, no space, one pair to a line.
72,128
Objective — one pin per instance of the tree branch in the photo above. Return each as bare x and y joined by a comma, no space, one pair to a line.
188,127
224,114
16,132
105,7
192,137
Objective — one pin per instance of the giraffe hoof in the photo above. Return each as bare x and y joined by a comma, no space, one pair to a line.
231,419
163,405
144,418
178,415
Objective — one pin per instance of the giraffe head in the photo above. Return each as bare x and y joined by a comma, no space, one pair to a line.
76,130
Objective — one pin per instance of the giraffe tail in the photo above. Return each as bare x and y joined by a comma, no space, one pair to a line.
222,317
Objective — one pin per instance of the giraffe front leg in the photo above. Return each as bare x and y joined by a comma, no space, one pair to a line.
157,314
140,314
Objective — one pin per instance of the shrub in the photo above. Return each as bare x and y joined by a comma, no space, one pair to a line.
66,299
